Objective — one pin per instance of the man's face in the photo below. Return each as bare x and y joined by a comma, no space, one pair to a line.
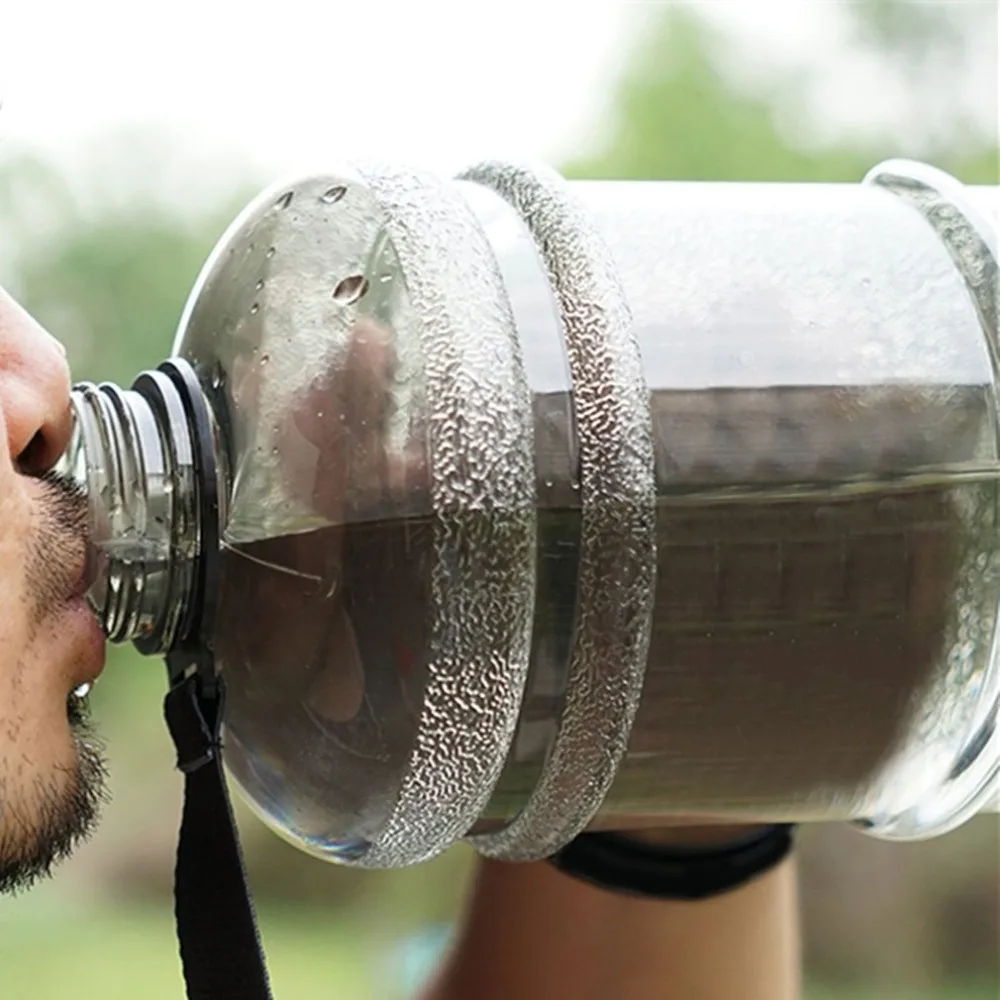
51,774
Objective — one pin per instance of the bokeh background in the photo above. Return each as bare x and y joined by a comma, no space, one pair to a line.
130,135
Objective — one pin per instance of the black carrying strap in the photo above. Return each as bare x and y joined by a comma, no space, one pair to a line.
618,863
216,925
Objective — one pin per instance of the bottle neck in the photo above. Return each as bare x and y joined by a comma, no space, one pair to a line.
136,455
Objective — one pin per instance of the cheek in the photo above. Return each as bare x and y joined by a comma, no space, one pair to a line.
14,529
34,732
14,617
35,735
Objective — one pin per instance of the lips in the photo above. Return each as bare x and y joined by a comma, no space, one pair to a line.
84,630
88,647
84,579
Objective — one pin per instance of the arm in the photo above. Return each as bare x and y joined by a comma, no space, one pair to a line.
536,934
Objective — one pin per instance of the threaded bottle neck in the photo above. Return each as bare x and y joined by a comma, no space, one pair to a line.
132,453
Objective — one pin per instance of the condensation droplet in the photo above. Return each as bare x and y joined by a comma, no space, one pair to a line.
260,284
264,358
385,277
285,200
216,377
332,195
270,253
255,308
350,289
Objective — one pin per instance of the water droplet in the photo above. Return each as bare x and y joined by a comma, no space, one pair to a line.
255,308
216,376
350,289
332,195
385,277
260,284
264,358
270,253
548,483
285,200
575,485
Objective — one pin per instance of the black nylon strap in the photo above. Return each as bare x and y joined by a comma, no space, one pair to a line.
617,863
216,925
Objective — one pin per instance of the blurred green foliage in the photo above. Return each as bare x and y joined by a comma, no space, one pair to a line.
679,112
311,956
110,274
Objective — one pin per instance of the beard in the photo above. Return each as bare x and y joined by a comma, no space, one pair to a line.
63,810
44,821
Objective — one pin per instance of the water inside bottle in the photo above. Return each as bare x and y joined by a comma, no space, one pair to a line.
324,638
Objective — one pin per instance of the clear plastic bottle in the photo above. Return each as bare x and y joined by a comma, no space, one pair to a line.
545,505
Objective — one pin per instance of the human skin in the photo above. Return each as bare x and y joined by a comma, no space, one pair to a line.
533,933
50,767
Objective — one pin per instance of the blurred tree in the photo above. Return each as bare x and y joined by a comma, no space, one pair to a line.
675,115
112,280
678,112
924,43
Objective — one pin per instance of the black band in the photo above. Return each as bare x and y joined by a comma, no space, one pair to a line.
220,947
621,864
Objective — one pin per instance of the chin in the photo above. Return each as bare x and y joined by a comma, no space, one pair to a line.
54,810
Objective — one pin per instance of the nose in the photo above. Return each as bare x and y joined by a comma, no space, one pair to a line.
34,391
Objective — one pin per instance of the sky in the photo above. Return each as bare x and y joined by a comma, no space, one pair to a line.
293,81
280,85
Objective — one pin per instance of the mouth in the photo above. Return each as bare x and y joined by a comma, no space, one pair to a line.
85,578
60,575
88,643
83,631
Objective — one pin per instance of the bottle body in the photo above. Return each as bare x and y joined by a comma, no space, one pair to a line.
822,397
560,506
